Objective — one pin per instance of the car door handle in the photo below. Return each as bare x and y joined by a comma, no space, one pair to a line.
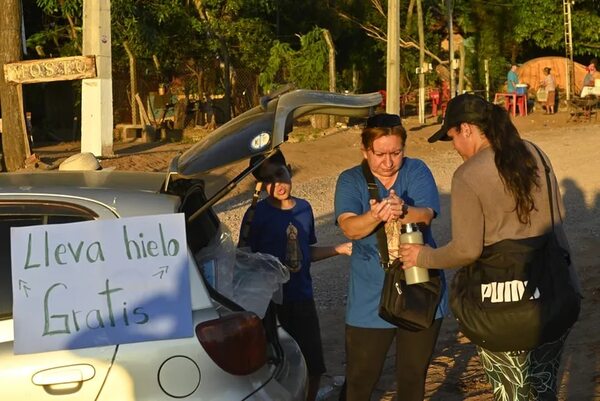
64,375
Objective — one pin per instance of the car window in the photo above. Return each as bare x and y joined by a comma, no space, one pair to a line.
24,214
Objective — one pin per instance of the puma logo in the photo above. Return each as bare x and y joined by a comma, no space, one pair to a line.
507,291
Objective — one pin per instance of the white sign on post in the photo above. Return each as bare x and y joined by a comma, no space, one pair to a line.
100,282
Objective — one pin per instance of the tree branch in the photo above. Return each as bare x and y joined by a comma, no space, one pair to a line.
378,34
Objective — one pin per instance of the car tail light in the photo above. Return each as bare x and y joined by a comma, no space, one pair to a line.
235,342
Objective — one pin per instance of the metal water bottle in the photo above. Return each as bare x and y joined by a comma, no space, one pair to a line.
410,234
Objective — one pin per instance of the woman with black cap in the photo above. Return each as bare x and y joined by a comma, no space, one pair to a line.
408,194
499,196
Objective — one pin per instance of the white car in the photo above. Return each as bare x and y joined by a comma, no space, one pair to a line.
233,354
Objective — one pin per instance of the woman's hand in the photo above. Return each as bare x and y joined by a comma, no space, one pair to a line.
397,206
380,211
344,249
390,208
409,254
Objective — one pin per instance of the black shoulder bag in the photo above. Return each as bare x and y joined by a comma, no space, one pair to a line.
519,293
411,307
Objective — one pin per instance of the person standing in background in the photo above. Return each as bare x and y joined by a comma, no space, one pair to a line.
588,80
550,85
512,79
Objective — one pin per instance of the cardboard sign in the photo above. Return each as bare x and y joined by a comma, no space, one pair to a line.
100,282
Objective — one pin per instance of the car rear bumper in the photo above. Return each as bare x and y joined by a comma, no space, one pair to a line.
292,374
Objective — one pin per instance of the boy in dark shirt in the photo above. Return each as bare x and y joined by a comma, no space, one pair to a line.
283,226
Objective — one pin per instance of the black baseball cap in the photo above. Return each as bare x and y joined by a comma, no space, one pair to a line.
276,158
384,120
464,108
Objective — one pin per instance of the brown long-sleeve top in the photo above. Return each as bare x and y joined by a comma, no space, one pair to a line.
483,212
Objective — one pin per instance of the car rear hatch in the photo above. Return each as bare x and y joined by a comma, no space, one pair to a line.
267,126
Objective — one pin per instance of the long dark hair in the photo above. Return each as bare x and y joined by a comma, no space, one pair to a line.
515,163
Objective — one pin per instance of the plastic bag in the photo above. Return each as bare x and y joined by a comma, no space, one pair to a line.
541,94
257,276
249,279
217,261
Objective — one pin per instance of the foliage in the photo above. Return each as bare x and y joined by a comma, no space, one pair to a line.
261,36
240,25
160,29
169,38
542,23
276,70
61,36
305,68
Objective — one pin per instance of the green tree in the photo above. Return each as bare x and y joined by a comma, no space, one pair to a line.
167,38
61,34
304,68
239,34
541,23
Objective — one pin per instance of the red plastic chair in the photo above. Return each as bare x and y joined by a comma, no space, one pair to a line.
434,96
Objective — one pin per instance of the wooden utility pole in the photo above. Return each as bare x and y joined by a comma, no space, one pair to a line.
393,58
422,66
450,6
96,93
570,76
15,145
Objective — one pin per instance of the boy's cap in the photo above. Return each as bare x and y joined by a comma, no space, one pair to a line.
384,120
464,108
276,158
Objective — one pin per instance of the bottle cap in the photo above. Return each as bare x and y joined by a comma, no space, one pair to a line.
409,228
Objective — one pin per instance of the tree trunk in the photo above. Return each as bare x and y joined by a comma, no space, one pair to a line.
132,82
461,70
409,15
331,48
14,133
224,53
355,77
226,77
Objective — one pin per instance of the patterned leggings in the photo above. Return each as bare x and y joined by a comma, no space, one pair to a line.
524,375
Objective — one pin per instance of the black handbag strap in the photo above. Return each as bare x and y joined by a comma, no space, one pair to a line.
384,256
547,171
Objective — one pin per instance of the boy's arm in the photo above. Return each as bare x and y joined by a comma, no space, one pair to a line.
324,252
